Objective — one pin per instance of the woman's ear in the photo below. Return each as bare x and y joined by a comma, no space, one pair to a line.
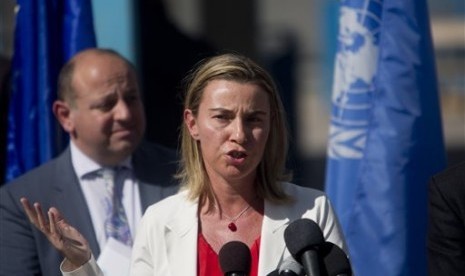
62,112
191,123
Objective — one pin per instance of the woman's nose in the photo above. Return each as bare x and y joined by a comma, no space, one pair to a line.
239,134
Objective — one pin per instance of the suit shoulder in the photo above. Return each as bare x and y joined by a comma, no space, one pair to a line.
449,184
155,164
451,176
148,151
41,174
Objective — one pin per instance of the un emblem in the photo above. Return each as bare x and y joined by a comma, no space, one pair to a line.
353,89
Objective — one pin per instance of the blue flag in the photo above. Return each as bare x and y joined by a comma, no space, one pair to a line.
48,33
385,135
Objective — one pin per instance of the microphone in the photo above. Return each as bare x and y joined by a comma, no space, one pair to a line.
273,273
303,237
235,259
334,261
290,267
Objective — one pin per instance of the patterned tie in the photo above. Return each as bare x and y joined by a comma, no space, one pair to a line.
116,223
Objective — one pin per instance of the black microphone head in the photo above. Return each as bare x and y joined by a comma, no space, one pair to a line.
290,266
333,260
235,257
273,273
301,235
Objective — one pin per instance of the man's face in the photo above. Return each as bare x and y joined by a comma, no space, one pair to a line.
107,119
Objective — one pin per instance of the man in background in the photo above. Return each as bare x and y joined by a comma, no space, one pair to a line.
446,230
99,105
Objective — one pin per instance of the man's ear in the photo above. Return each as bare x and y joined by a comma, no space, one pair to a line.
62,112
191,123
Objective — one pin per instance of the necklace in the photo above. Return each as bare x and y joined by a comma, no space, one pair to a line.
232,224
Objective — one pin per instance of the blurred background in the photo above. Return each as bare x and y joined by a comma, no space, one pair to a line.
295,41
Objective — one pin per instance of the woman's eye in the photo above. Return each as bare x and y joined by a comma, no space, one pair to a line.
255,120
220,117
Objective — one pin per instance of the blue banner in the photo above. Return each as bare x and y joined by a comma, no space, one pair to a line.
47,34
386,135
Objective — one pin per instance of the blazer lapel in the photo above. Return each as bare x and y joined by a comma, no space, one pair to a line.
181,236
71,201
272,245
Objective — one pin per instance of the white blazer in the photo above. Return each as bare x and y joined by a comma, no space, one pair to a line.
166,242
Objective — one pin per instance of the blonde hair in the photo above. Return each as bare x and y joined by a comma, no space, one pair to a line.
271,170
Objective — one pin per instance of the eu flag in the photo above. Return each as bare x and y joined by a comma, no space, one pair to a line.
47,34
385,135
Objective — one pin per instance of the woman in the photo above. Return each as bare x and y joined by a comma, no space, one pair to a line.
233,148
233,177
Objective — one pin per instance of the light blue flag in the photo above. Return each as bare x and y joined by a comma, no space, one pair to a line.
47,34
385,135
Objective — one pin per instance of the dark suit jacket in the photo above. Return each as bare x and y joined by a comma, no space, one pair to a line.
26,251
446,230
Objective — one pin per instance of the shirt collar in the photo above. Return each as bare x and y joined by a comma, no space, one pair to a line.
84,165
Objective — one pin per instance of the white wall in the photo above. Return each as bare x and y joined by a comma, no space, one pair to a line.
114,26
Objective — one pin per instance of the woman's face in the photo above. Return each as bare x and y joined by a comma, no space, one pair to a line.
232,128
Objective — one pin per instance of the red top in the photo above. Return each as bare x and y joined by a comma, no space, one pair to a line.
208,263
